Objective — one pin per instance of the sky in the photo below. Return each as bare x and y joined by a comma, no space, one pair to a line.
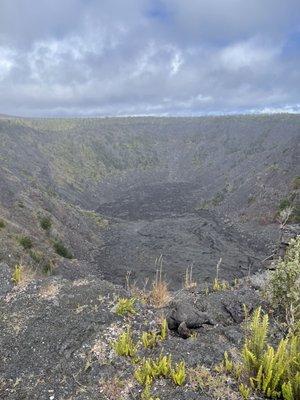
149,57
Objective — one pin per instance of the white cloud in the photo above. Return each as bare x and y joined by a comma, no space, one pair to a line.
249,54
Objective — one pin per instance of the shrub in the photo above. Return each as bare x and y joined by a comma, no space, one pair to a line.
125,306
284,282
61,249
46,223
124,345
2,224
25,242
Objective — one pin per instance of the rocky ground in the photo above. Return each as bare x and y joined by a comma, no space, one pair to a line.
57,334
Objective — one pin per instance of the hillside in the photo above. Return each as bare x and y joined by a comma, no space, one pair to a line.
122,191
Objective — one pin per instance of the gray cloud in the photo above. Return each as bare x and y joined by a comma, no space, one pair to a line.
85,57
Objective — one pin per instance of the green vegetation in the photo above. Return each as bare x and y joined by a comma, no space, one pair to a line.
2,224
284,283
284,203
245,391
25,242
272,371
17,274
124,345
61,249
46,223
125,306
151,339
151,369
178,374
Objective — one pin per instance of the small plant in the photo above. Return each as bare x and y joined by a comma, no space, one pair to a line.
146,394
2,224
124,345
150,339
47,267
37,256
125,306
255,344
219,285
146,372
61,249
46,223
178,374
189,282
159,295
164,329
245,391
17,274
25,242
227,363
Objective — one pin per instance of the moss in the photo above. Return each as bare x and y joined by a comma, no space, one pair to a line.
2,224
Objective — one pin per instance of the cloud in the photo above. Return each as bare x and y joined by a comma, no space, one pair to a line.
85,57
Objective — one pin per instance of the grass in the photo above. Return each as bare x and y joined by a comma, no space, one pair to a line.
25,242
61,249
189,283
2,224
46,223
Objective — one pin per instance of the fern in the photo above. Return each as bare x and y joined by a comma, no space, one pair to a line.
178,374
124,345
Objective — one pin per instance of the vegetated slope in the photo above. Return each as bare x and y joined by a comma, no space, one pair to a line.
122,191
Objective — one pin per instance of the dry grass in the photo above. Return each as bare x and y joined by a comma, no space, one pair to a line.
159,295
189,283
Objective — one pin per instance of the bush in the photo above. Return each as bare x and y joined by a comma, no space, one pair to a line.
2,224
61,249
284,282
25,242
46,223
